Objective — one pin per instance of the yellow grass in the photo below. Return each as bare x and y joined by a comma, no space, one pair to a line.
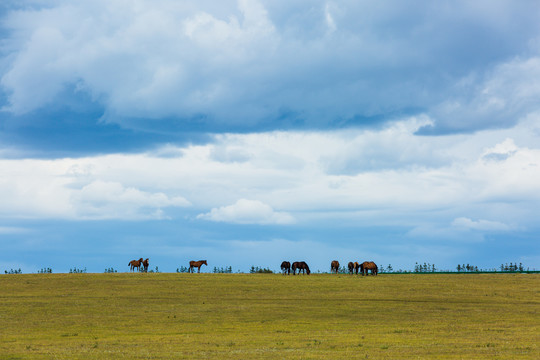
256,316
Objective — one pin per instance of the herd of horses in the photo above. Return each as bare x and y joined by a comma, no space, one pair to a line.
365,268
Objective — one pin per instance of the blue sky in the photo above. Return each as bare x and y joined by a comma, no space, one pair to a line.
251,132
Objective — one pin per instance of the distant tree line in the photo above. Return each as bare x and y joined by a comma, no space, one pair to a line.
389,269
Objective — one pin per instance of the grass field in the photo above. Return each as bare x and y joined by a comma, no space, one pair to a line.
256,316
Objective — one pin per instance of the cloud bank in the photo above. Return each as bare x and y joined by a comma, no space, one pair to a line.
272,64
388,176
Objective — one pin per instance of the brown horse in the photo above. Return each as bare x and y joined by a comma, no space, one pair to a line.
356,267
350,265
135,264
145,264
334,266
369,266
197,264
301,266
286,267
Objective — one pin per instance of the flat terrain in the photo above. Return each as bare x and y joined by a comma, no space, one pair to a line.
260,316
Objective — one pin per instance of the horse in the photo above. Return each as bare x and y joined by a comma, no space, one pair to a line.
286,267
334,266
369,266
350,265
196,264
356,267
301,266
145,264
135,264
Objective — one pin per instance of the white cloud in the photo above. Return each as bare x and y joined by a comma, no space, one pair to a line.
483,225
107,200
248,212
68,188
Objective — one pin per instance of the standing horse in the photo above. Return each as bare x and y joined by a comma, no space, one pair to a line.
135,264
356,267
197,264
369,266
334,266
146,263
286,267
301,266
351,267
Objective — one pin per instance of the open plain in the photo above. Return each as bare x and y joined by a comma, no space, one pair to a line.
269,316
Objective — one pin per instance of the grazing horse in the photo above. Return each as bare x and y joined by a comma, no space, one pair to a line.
334,266
356,267
301,266
369,266
350,265
135,264
196,264
286,267
146,263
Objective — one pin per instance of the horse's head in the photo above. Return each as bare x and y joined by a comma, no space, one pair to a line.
204,262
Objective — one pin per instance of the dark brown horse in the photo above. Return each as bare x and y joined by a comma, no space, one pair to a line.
286,267
369,266
350,265
334,266
135,264
197,264
356,267
301,266
145,264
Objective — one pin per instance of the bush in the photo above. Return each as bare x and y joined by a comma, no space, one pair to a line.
12,271
258,270
182,269
225,270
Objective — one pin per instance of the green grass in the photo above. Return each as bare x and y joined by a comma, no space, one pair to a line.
259,316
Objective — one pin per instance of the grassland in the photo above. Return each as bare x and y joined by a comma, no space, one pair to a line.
243,316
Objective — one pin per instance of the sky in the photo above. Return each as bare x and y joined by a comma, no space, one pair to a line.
255,131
